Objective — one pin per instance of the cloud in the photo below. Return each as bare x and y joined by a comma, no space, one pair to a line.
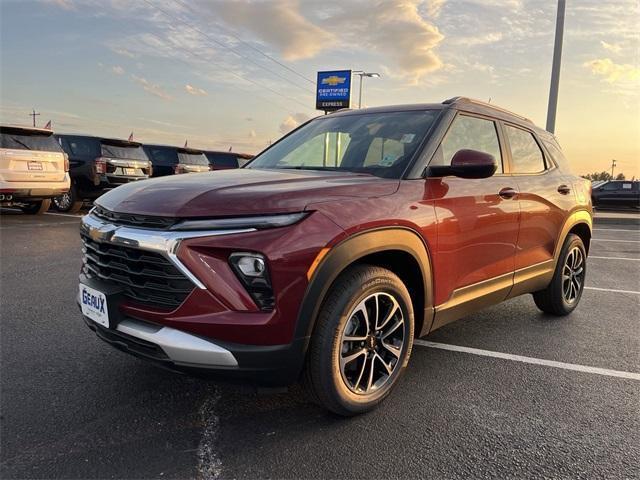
152,88
124,52
434,7
191,90
292,121
66,4
117,69
476,40
279,23
613,72
612,47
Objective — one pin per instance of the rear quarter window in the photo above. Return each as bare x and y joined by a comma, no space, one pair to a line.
83,147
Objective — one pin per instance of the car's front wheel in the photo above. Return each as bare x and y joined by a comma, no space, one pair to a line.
36,208
362,341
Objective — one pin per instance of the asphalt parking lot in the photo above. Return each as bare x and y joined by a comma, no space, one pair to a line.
72,407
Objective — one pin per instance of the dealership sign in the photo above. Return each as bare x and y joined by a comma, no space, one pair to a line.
333,90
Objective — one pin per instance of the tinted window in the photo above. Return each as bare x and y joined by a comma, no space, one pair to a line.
83,147
556,153
611,186
223,160
526,155
162,155
469,133
25,140
192,158
133,152
344,142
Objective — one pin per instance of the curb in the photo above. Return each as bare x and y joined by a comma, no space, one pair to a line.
616,220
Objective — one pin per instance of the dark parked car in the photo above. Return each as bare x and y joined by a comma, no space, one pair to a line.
324,257
226,160
97,165
169,160
617,193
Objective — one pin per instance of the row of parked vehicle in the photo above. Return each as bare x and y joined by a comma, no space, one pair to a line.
40,169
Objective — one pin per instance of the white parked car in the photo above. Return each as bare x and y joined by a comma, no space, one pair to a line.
33,168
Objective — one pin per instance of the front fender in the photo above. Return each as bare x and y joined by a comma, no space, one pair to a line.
353,249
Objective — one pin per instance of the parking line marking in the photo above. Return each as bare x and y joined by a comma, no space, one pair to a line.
531,360
615,230
616,258
63,214
611,290
611,240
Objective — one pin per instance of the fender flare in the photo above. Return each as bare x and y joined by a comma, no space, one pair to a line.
576,218
351,250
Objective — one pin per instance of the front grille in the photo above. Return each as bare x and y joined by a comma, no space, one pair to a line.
131,220
147,277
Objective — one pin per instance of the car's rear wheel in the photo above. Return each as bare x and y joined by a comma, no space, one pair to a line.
563,294
362,341
36,208
68,202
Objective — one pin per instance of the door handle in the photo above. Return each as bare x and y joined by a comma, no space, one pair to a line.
507,193
564,189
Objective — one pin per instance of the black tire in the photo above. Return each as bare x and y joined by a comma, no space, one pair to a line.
36,208
68,202
554,299
327,378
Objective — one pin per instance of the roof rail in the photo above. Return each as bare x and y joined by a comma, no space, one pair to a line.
462,100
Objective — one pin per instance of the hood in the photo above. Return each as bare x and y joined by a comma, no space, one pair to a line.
241,192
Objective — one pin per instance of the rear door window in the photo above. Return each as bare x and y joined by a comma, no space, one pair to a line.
526,156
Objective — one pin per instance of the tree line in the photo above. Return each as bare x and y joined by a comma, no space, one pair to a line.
606,176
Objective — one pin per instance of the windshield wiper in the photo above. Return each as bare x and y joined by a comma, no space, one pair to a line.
21,143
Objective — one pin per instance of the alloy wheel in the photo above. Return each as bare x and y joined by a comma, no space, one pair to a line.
573,275
372,342
63,202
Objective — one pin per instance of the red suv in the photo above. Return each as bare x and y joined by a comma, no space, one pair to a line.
327,254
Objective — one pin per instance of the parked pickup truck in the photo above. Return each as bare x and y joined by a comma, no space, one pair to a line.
335,247
33,168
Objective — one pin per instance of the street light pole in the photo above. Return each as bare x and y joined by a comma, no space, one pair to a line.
362,75
555,69
613,165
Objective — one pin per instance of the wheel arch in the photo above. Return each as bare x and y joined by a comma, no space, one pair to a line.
398,249
580,223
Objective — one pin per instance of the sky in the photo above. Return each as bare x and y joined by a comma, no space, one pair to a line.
240,73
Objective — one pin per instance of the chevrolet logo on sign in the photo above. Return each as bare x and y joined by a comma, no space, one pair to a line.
333,80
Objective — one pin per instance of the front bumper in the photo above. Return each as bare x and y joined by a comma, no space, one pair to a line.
268,366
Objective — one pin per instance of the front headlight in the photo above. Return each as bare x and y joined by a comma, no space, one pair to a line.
258,222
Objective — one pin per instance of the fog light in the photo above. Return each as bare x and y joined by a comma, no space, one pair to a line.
252,271
251,266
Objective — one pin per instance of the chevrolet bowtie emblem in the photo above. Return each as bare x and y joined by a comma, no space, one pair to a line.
333,80
103,233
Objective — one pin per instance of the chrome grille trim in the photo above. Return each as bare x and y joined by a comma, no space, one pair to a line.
165,243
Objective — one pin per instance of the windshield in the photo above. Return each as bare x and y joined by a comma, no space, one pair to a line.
381,144
192,158
133,152
26,140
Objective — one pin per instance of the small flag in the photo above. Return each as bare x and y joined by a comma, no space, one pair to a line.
131,136
230,148
185,144
48,125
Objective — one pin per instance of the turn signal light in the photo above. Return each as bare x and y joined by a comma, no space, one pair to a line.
66,162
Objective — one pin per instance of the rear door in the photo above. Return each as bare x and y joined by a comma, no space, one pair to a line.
30,156
545,198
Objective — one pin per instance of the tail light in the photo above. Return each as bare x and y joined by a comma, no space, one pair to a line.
100,164
150,169
66,162
178,169
211,167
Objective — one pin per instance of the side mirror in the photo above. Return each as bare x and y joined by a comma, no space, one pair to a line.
466,164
